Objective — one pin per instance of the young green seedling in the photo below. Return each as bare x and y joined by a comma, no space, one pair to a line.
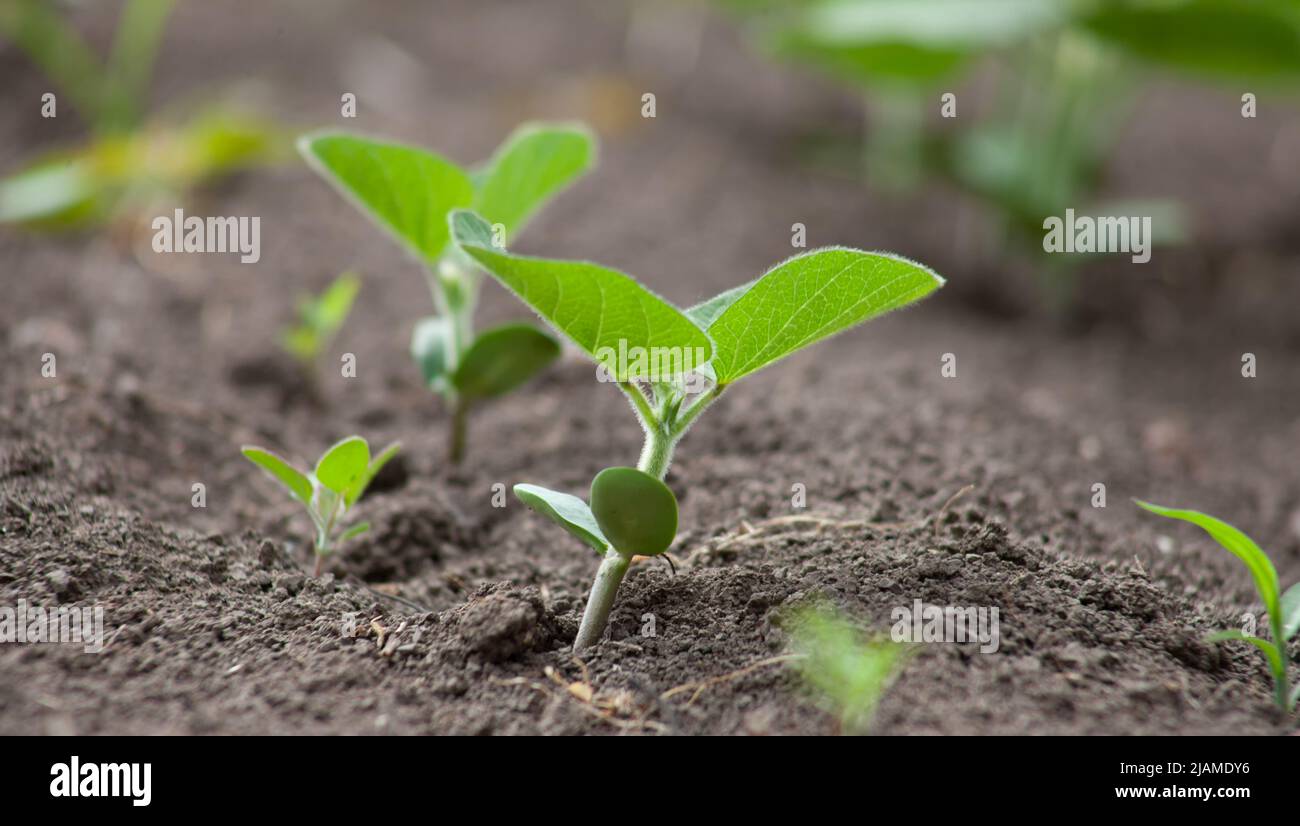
673,364
128,163
848,672
1283,608
328,492
319,319
110,93
409,192
1055,110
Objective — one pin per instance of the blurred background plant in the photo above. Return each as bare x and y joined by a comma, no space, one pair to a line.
320,317
130,158
1064,76
846,671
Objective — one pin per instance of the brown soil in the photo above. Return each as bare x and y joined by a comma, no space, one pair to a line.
217,627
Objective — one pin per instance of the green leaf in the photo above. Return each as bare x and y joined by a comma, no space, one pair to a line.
407,191
635,510
54,45
322,317
1227,39
331,309
1270,650
1236,543
1290,606
301,342
808,298
534,164
354,531
344,465
907,41
429,344
598,308
502,359
848,671
280,470
46,190
130,65
565,510
372,470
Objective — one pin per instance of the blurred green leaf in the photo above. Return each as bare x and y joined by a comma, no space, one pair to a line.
321,317
502,359
286,474
1290,607
130,65
848,672
1225,39
115,172
429,344
330,311
61,53
636,511
372,470
45,191
354,531
906,41
535,163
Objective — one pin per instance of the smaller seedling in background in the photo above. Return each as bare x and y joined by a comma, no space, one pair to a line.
1055,110
409,192
328,492
128,162
1283,608
319,319
847,671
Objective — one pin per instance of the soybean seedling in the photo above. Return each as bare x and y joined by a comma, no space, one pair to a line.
319,319
847,672
1283,608
409,192
328,492
128,160
672,364
1058,103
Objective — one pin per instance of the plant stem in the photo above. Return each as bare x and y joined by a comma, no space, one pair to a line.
459,430
661,436
320,563
608,577
1283,681
656,453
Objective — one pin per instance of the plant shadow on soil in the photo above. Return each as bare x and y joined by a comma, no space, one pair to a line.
214,625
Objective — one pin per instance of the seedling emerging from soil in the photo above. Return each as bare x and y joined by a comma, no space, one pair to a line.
319,319
1283,608
631,514
409,192
847,671
328,492
698,353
